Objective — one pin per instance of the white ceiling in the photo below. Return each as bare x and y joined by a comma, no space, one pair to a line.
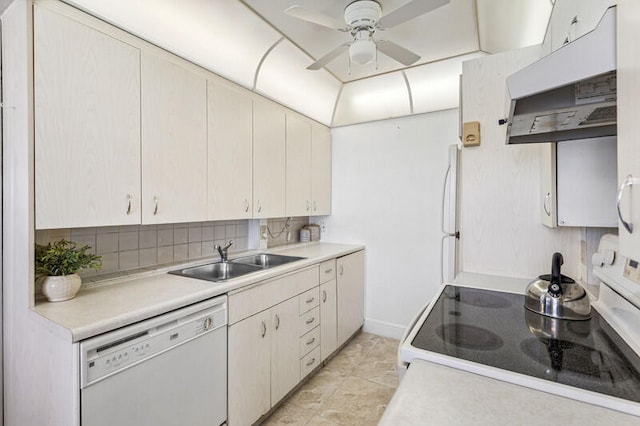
255,44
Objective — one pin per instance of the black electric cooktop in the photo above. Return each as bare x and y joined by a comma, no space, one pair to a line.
493,328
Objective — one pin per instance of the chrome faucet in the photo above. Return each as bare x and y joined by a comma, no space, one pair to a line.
223,250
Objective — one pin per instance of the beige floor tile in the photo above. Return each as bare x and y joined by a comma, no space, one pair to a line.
289,414
379,365
357,402
313,393
352,354
320,421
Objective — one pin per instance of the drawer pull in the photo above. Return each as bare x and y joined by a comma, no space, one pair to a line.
277,321
264,329
328,271
324,296
310,300
155,206
310,320
310,341
311,361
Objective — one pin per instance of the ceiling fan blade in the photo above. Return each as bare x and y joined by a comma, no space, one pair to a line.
315,17
329,57
399,53
410,10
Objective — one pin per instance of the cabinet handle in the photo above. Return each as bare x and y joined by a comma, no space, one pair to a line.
328,271
246,205
544,204
629,181
264,329
259,206
341,269
310,341
311,362
310,300
155,206
277,321
324,296
129,199
315,207
308,206
310,320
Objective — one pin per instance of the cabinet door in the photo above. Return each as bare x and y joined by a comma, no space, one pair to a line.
628,27
350,289
230,153
174,143
285,351
548,211
298,166
269,159
328,319
249,369
320,170
87,125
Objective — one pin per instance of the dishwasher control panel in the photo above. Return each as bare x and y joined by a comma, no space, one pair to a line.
107,354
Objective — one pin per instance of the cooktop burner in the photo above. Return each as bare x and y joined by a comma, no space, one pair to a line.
493,328
469,337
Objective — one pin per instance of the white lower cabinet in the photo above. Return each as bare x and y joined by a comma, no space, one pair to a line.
328,309
249,369
266,326
281,330
284,349
350,289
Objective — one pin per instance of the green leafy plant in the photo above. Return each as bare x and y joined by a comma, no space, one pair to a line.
64,258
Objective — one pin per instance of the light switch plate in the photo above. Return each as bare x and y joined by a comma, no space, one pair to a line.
471,133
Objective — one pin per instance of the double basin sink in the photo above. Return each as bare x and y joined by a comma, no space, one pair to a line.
222,271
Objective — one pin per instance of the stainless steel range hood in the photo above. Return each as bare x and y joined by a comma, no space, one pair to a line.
570,93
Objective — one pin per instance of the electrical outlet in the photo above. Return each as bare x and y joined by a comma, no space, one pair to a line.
323,227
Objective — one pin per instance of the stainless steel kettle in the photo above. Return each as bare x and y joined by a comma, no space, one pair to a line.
558,296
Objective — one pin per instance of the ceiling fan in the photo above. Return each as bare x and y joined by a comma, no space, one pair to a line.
363,18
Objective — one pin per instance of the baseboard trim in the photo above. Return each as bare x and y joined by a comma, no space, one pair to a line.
383,328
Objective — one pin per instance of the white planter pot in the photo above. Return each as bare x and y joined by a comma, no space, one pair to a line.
61,288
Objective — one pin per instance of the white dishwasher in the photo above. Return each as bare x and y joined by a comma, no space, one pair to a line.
167,370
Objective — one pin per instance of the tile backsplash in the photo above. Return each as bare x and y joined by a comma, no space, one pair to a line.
125,248
280,234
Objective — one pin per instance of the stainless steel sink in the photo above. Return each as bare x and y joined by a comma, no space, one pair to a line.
266,260
219,271
222,271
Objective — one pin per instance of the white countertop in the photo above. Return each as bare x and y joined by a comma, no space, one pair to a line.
435,394
100,308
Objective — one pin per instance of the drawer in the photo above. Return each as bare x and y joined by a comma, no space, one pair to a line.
327,271
309,362
309,320
309,341
308,300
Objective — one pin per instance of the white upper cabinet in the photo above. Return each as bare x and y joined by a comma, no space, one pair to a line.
628,28
320,170
269,159
298,166
87,125
174,143
230,153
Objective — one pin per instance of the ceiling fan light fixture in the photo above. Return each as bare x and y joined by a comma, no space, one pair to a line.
363,49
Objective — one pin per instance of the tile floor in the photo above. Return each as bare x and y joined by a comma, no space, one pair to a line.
353,389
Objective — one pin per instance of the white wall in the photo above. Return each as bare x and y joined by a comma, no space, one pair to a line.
387,183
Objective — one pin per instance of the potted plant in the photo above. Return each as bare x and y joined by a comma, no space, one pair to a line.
56,267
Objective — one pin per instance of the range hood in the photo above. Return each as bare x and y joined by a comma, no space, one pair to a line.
570,93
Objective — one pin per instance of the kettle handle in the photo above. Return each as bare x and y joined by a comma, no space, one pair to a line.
555,289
